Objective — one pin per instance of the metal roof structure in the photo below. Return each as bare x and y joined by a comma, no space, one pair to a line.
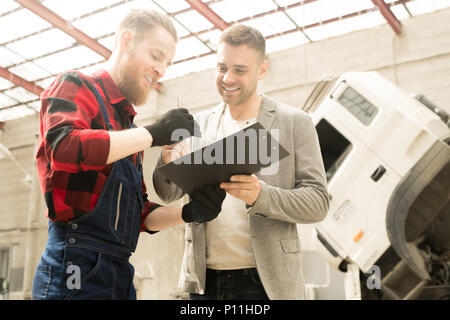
41,39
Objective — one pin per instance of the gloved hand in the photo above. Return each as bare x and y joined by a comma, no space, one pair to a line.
162,129
205,206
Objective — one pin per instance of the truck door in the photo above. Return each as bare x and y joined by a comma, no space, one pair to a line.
359,182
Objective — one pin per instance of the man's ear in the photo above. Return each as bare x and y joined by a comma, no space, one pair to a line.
126,40
263,69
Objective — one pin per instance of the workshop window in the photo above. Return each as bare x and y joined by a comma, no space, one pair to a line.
358,105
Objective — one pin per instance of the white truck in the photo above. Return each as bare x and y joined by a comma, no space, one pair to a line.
387,159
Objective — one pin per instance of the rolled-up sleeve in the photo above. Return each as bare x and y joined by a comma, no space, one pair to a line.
68,108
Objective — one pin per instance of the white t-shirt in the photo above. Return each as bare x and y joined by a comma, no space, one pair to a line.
228,239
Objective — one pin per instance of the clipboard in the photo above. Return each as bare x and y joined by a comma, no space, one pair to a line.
244,152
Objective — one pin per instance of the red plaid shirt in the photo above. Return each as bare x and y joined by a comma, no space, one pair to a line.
74,143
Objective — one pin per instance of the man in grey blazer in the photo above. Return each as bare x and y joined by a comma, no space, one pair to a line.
252,249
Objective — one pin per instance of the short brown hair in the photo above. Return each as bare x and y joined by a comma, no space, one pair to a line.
240,34
141,21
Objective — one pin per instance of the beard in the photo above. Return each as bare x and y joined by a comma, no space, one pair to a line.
130,86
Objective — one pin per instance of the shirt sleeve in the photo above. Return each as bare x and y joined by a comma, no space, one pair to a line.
68,110
309,201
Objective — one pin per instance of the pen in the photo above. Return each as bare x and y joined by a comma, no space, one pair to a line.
148,78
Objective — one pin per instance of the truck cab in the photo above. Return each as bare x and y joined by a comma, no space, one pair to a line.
387,161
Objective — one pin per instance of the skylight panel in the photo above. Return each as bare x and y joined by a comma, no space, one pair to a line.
324,10
20,23
69,10
196,65
323,32
231,10
257,7
309,14
272,24
107,21
343,26
20,94
285,41
189,47
284,3
440,4
6,101
45,83
36,105
364,21
203,63
5,84
69,59
181,31
29,71
97,25
8,5
108,42
194,21
212,38
8,58
417,7
91,69
41,43
173,5
400,12
344,7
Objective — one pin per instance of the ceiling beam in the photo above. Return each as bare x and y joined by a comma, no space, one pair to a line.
55,20
18,81
211,48
297,29
389,16
209,14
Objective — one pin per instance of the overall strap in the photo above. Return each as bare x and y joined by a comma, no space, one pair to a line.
108,124
102,107
105,116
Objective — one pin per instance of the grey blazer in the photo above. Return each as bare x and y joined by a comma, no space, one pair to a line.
297,193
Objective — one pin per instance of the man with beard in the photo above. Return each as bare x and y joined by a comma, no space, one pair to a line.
89,162
252,250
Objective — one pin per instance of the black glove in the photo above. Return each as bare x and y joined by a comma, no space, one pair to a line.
163,128
205,206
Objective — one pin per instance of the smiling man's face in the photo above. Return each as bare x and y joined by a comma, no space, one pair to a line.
238,72
146,60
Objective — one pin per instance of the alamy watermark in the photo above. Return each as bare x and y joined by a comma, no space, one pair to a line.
74,280
374,280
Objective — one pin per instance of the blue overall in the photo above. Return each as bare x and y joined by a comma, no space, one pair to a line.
88,258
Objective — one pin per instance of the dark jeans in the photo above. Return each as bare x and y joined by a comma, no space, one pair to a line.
241,284
102,276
